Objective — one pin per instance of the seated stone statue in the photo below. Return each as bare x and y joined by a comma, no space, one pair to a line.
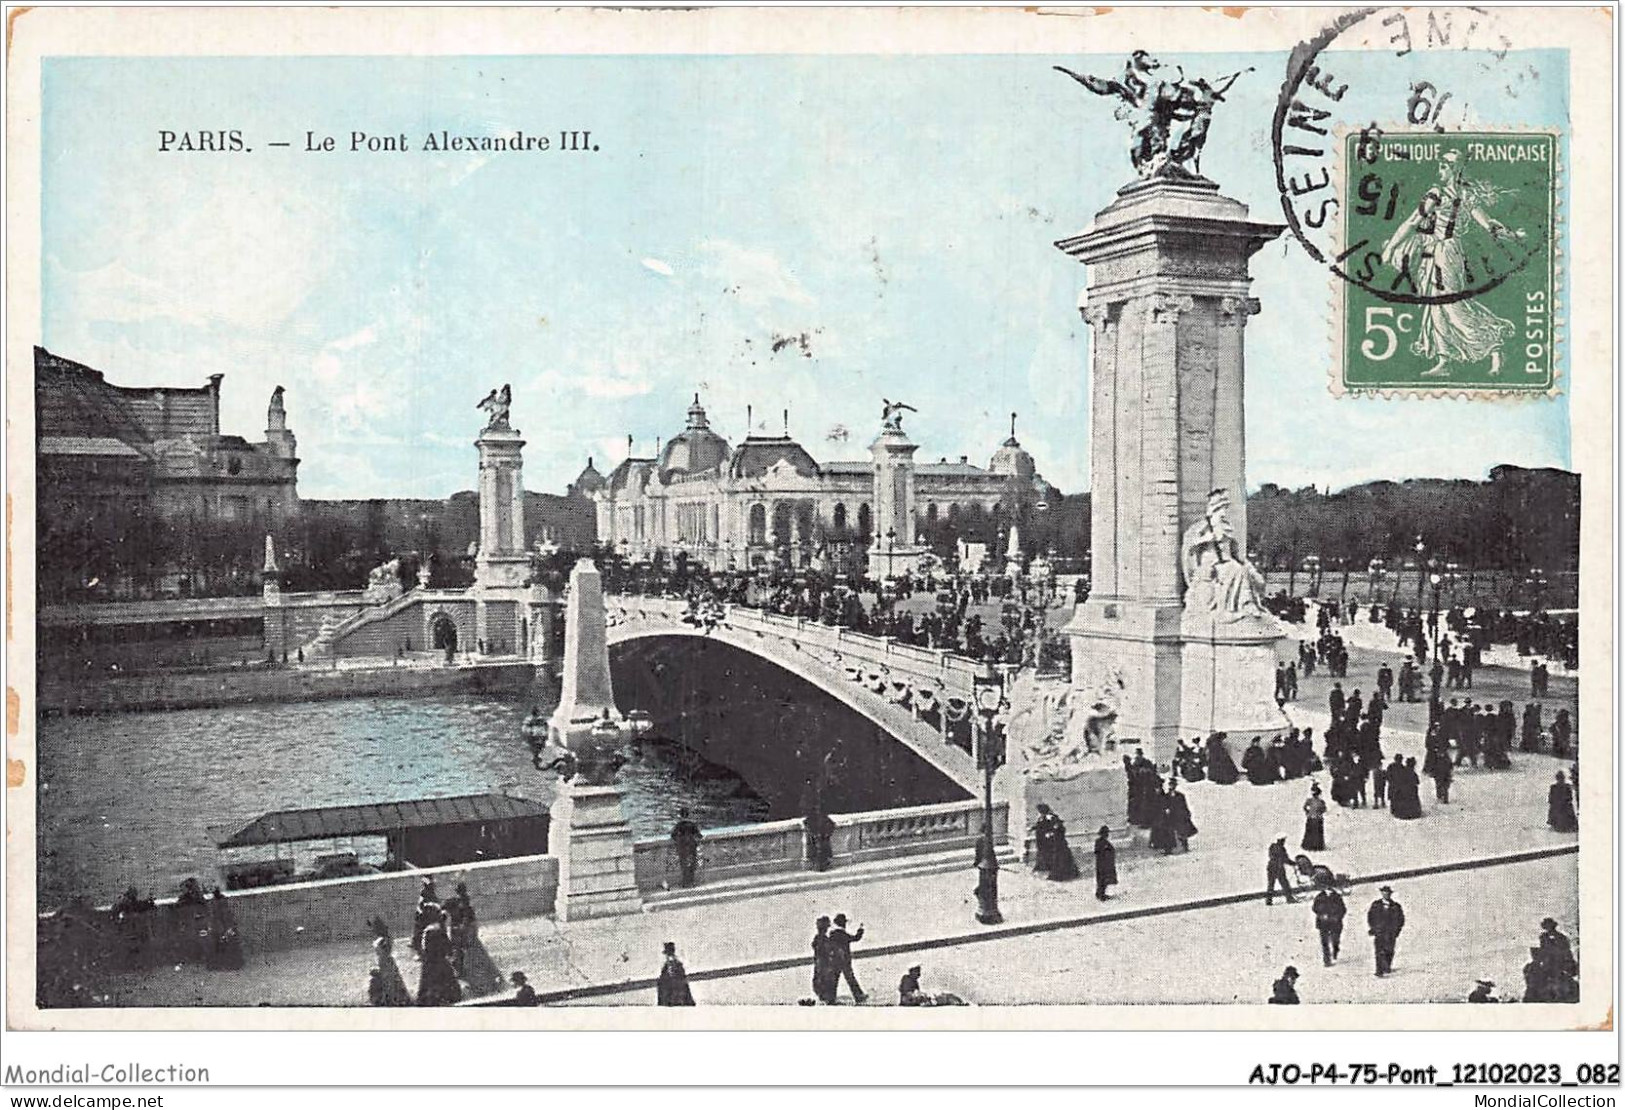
1218,578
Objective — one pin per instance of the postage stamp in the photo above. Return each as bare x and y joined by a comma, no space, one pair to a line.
1450,248
676,519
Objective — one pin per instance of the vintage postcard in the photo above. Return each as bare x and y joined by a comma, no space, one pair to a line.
790,519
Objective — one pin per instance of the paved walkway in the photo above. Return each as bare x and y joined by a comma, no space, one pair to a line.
1492,814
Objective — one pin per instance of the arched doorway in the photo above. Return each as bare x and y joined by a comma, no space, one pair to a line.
443,633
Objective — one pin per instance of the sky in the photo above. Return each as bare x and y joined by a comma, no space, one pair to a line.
803,233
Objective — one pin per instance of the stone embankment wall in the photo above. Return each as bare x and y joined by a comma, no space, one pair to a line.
277,918
244,685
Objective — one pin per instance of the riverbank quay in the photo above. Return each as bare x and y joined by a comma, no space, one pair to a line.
1496,819
246,685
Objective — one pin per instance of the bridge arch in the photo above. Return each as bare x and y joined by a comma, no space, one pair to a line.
786,725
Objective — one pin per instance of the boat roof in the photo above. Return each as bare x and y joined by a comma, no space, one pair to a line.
377,818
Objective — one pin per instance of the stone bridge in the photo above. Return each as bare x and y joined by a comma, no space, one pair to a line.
920,696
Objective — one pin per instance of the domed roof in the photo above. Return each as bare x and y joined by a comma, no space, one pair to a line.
759,454
694,450
589,481
1011,459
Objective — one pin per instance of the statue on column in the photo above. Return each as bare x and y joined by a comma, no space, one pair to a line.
496,406
1168,115
891,414
1218,578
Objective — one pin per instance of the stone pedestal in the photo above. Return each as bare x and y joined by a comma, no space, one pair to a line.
502,560
502,593
1168,303
589,836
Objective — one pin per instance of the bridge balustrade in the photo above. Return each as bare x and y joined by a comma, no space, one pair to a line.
779,847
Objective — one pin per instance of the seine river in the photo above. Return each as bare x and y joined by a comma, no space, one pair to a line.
131,799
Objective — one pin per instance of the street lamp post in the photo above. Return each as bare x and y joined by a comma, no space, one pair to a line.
1421,576
988,693
1311,566
1437,580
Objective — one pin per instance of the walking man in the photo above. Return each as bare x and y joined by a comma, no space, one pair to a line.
1385,919
840,950
1330,909
1277,873
1105,862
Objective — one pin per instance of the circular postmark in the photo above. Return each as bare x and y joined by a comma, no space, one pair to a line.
1453,232
1411,161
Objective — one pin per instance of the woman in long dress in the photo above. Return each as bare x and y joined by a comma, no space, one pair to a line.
1428,246
437,982
1163,834
392,984
1405,791
1063,865
1221,768
1314,821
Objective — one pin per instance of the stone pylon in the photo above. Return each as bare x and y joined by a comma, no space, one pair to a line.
504,602
587,692
1168,301
588,832
893,551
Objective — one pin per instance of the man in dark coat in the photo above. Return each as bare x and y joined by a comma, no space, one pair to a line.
685,838
1335,702
1560,815
1284,992
840,950
671,989
1276,872
1384,920
1105,862
825,980
1330,909
1179,816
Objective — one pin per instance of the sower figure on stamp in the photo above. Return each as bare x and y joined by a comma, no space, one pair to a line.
1385,919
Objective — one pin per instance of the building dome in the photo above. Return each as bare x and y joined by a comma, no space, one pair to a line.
694,450
588,482
1011,460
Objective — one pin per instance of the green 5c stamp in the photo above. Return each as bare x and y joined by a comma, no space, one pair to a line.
1449,260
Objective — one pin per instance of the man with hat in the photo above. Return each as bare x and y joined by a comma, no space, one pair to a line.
1276,872
523,993
1481,993
1285,990
1385,919
840,953
1329,909
671,989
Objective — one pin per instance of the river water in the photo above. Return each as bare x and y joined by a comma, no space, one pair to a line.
135,799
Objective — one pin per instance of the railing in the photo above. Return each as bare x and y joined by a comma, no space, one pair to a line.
779,847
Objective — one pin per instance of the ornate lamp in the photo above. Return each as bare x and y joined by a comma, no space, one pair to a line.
987,692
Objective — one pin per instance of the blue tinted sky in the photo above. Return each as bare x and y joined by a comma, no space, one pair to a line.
898,213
